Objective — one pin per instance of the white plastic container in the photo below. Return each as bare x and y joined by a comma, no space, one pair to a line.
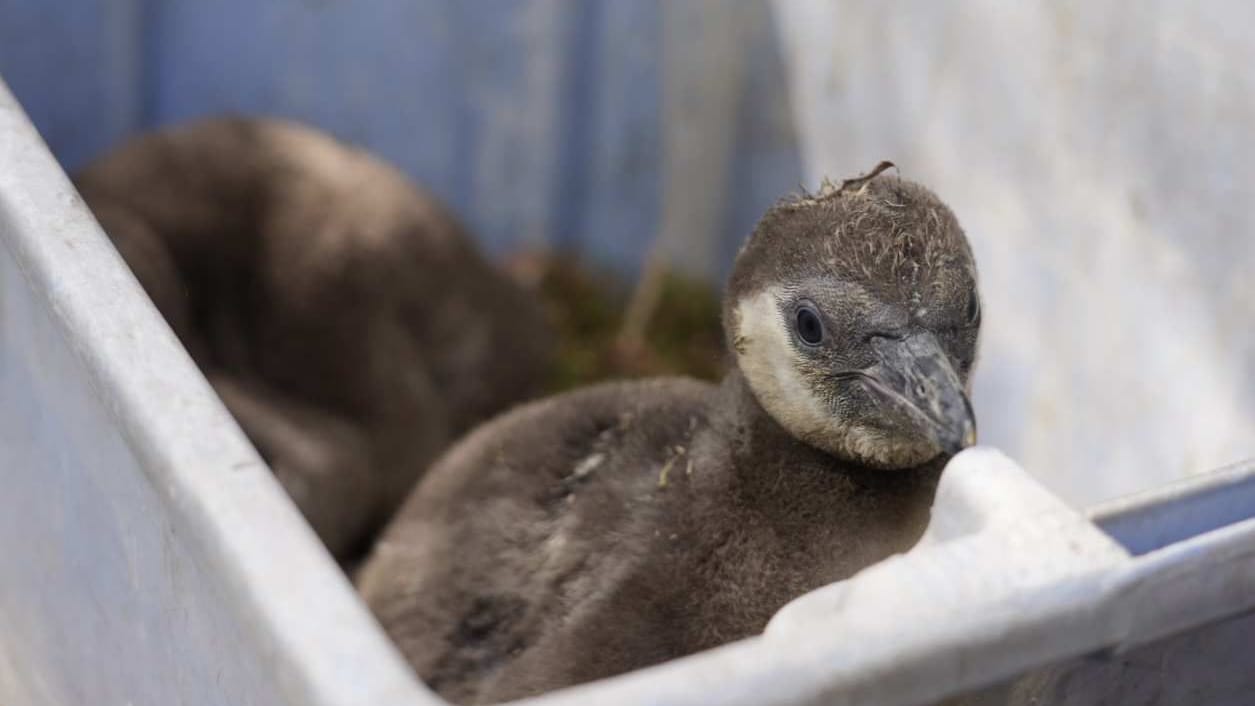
147,556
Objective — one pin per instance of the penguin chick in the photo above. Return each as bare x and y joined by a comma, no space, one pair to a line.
345,318
626,524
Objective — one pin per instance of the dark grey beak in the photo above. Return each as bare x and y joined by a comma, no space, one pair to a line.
917,372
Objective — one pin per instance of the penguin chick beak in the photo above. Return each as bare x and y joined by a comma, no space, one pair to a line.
916,373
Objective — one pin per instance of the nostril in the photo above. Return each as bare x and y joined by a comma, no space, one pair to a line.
883,336
920,390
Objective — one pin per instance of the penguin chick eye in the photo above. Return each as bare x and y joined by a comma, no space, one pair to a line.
973,310
809,328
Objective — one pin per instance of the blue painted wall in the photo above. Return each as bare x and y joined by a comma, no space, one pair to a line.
538,121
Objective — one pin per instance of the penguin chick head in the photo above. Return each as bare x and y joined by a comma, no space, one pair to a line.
853,315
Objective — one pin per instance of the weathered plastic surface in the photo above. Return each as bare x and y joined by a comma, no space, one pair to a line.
1211,665
1099,155
148,557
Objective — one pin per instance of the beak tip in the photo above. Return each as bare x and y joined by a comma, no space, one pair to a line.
958,442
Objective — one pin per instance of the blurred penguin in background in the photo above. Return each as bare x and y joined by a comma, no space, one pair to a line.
344,316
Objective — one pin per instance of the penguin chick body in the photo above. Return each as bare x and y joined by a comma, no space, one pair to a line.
345,317
622,525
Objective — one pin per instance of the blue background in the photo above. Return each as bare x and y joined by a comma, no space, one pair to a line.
539,122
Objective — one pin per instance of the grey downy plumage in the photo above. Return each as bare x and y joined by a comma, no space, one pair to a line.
625,524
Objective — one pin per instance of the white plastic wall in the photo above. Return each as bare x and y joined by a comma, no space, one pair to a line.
1100,156
147,556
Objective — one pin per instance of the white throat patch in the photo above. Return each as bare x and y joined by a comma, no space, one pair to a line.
769,362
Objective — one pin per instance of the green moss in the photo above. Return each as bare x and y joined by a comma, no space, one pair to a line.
586,306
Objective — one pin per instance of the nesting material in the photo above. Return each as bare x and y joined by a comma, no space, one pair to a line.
586,307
